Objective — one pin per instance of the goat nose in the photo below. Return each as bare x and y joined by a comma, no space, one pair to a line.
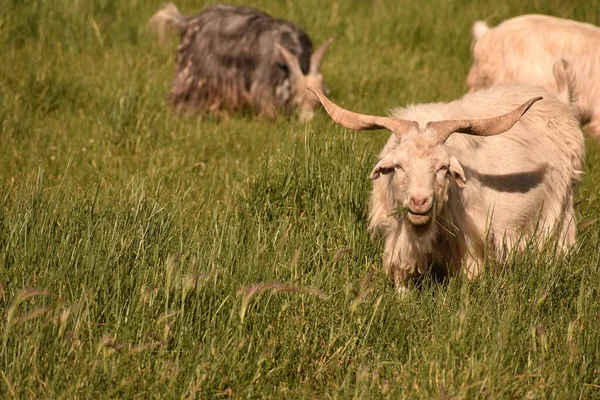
418,201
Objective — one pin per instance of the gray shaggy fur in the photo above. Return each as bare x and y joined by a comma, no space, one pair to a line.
228,60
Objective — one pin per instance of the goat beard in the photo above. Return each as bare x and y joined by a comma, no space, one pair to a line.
419,220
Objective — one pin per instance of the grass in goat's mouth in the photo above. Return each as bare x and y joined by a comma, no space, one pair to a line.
399,211
403,210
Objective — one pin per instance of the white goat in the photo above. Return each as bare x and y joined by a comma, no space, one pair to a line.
448,200
524,48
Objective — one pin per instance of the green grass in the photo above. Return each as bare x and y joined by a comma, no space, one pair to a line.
145,254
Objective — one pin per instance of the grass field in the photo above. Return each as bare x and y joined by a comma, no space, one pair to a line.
148,255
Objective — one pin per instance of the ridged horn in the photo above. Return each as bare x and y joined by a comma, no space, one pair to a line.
481,127
291,61
317,56
360,122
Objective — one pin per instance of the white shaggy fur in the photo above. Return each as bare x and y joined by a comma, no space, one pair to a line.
490,194
523,49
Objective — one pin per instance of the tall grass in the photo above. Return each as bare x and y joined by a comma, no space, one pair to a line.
147,254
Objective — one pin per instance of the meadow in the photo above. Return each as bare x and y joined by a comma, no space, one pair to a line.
154,255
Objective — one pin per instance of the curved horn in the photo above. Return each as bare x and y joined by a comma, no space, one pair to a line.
317,56
360,122
291,61
482,127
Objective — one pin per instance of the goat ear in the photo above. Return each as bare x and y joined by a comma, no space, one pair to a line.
457,172
383,166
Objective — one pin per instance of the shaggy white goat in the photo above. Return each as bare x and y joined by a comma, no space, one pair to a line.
524,48
446,199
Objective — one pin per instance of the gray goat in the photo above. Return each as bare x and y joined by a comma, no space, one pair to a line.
235,58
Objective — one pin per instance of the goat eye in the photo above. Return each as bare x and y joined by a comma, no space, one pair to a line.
399,167
443,168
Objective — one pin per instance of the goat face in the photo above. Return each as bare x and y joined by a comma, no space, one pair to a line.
302,99
418,175
419,166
